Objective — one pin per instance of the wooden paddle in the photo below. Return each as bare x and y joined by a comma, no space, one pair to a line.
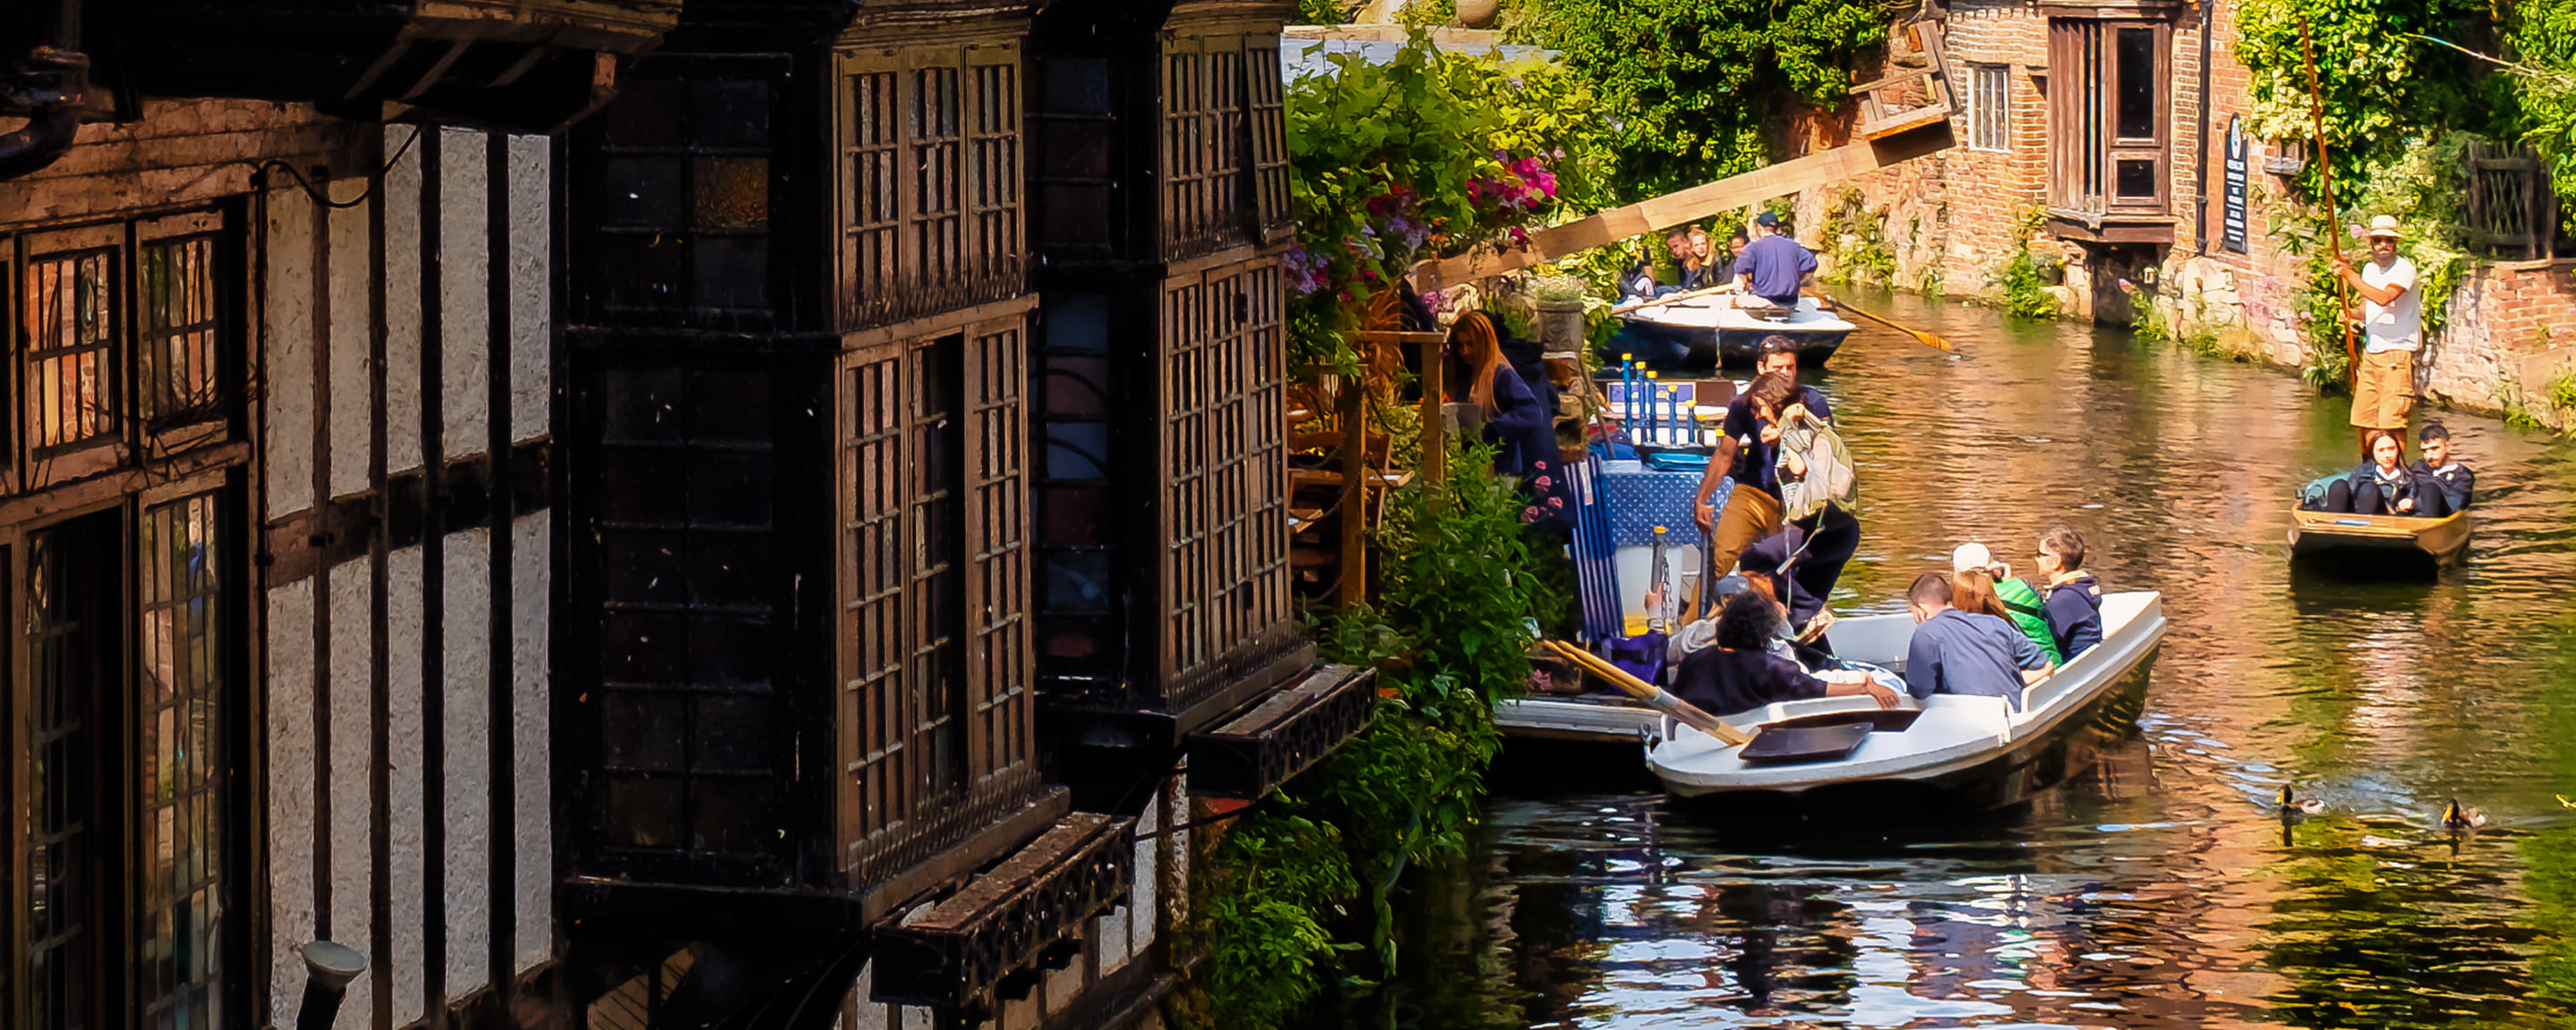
1931,340
1669,298
1685,711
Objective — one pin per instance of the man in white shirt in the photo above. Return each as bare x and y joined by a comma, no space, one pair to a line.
2392,317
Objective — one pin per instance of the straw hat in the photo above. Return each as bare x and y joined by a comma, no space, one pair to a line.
2381,225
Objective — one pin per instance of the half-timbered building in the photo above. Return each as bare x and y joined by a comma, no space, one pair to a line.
925,530
275,550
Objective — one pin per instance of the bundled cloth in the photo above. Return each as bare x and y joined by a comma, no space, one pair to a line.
1828,479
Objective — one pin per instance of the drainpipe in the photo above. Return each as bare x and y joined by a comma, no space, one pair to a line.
48,85
2200,176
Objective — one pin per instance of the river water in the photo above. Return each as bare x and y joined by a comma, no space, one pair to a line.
2160,889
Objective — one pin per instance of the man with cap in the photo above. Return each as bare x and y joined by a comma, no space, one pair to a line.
1772,268
2392,319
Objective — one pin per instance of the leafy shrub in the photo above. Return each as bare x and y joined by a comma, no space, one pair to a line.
2025,293
1304,888
1692,86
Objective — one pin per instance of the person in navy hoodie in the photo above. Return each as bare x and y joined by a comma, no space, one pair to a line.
2450,482
2074,607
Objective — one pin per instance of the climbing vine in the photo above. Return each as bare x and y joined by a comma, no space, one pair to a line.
1694,87
2384,85
1302,890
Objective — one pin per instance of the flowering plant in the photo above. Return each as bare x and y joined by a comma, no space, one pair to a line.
1428,154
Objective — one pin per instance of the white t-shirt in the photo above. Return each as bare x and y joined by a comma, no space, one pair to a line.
2398,326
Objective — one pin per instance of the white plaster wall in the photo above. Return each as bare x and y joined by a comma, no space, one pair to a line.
351,695
287,359
290,791
872,1016
531,322
351,339
531,818
1142,919
409,868
464,250
402,308
466,762
1110,930
1179,895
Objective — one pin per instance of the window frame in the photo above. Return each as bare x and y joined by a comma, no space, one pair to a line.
2087,147
123,775
899,794
960,223
1990,107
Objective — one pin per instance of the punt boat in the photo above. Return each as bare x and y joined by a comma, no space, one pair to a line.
1723,335
2376,542
1949,753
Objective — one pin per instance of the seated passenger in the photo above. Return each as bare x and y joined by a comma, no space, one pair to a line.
1955,652
1741,673
2442,483
2021,603
2381,486
2074,608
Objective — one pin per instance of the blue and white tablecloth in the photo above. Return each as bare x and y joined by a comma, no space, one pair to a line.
1639,501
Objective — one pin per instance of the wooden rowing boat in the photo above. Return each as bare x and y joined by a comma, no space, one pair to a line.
2357,540
1720,334
1951,752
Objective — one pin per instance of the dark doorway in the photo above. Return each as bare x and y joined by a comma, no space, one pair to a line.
73,573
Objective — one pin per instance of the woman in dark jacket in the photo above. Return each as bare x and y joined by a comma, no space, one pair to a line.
1517,422
2381,486
1741,673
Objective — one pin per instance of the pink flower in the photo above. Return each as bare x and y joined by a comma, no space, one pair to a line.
1556,502
1543,482
1529,514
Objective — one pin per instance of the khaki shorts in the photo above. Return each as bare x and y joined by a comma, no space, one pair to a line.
1749,516
2383,391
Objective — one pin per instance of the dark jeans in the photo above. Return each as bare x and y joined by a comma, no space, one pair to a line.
1829,537
2369,500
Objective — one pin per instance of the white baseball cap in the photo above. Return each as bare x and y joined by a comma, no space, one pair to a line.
1971,555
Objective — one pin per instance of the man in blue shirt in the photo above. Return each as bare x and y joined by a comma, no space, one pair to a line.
1773,268
1956,652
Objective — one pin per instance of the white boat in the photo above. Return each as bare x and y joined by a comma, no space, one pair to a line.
1955,751
1721,334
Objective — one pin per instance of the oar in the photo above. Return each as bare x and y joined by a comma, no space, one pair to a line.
1685,711
1669,298
1927,339
2334,214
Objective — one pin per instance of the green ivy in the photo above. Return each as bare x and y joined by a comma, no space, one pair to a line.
1325,12
1693,87
2384,86
1856,237
1303,890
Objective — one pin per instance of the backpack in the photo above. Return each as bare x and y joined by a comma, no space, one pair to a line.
2029,615
1829,478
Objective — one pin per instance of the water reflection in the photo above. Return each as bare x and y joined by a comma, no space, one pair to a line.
2162,889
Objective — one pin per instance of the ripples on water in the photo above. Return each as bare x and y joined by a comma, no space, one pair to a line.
2161,890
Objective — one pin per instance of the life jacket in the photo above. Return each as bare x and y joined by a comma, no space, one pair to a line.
2029,615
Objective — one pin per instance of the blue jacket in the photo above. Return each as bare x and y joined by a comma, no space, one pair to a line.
2456,481
2075,615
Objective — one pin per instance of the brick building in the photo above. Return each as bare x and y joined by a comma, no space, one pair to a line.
2102,134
